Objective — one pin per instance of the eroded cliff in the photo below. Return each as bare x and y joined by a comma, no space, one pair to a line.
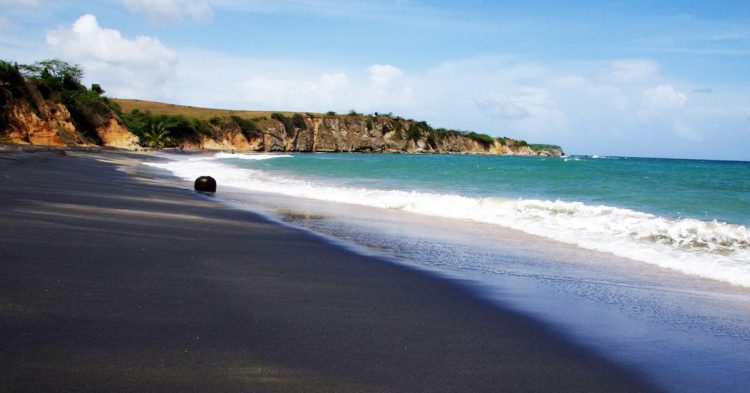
33,112
358,133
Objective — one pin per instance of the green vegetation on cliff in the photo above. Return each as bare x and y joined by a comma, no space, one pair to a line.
177,128
57,81
389,126
481,138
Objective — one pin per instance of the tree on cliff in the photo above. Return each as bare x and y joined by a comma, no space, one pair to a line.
59,81
57,74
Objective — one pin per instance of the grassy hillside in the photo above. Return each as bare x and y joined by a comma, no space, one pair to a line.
191,112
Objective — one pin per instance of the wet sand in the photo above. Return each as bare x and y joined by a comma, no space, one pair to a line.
113,282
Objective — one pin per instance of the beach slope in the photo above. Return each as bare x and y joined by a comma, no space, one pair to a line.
112,282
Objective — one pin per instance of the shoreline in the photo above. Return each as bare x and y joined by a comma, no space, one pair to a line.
137,285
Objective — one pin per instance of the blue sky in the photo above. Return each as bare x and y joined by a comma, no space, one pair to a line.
638,78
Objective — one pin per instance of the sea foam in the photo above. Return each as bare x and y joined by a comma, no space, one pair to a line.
709,249
252,157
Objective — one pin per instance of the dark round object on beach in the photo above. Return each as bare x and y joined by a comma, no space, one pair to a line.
205,184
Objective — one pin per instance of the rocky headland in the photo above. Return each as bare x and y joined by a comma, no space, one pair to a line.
45,104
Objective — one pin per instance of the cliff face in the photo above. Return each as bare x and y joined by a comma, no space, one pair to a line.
27,117
367,134
113,133
51,128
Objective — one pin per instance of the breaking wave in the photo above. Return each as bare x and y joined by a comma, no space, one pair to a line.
709,249
252,157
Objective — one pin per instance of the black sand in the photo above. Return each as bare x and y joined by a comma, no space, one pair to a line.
111,283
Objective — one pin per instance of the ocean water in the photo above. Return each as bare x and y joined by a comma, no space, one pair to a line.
690,216
645,260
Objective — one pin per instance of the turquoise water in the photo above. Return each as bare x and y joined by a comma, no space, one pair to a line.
687,215
705,190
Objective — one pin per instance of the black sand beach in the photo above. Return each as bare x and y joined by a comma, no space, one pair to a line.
111,282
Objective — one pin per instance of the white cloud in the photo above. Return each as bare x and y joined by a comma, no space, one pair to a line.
383,74
121,64
208,78
663,98
297,94
172,11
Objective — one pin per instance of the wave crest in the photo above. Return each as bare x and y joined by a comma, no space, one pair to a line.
709,249
254,157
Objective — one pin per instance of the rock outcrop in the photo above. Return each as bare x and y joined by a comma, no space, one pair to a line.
370,134
113,133
28,117
49,127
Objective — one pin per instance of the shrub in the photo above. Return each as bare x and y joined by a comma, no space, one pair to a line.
331,113
287,122
144,124
96,88
198,126
422,125
247,126
432,141
298,121
414,132
368,124
543,147
87,110
113,105
481,138
135,120
397,125
12,78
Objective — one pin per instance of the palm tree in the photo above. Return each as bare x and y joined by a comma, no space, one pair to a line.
156,134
